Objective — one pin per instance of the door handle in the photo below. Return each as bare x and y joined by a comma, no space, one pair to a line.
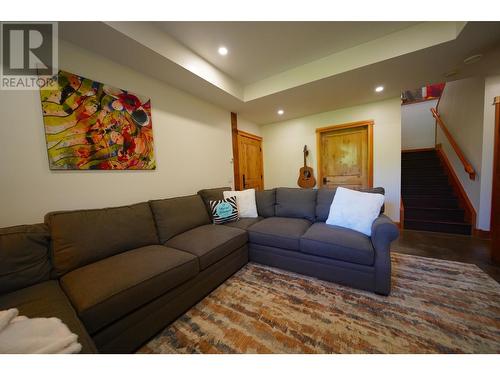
244,183
324,180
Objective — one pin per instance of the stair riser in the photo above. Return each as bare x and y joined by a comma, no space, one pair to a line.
432,172
440,215
424,180
436,202
438,227
427,190
419,156
420,163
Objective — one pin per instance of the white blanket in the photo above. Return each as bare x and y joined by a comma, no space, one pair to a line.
19,334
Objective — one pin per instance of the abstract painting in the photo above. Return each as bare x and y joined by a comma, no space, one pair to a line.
91,125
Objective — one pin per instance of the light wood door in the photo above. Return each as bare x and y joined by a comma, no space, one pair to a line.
345,155
250,161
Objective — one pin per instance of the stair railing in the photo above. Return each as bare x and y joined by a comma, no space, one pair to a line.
467,166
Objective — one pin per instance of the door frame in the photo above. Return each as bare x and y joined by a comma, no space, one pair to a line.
357,124
495,200
235,133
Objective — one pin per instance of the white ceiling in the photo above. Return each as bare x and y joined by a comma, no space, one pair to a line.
319,73
258,50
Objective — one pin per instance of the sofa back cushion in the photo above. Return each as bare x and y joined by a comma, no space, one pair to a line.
177,215
325,199
266,201
295,202
24,256
213,194
86,236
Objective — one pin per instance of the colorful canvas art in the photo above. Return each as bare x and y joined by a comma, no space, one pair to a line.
90,125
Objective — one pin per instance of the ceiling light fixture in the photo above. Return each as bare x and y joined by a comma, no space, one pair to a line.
451,73
222,51
280,112
472,59
379,88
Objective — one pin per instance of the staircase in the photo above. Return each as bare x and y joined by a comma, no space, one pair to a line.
430,203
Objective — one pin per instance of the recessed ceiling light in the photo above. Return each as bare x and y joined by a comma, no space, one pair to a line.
280,112
379,88
222,51
472,59
451,73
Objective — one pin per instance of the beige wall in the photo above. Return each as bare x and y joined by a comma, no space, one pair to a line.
491,90
248,126
192,144
284,141
462,108
417,125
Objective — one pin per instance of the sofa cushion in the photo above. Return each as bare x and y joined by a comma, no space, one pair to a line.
266,201
244,223
338,243
47,300
325,199
177,215
210,243
24,256
213,194
279,232
355,210
297,203
104,291
224,210
86,236
245,199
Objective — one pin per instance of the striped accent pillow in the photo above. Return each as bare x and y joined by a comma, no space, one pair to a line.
224,210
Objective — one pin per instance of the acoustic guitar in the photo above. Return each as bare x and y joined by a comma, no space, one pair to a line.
306,174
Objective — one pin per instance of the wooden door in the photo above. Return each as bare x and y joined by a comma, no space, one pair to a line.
495,193
345,155
251,173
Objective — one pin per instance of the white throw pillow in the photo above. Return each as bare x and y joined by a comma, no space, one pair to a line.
245,199
355,210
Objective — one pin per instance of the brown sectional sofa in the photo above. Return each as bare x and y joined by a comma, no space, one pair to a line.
117,276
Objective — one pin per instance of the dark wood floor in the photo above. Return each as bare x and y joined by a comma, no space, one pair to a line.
459,248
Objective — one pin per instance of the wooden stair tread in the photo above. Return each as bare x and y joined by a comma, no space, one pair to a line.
433,208
434,221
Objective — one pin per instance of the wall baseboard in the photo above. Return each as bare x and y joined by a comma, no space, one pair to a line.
486,234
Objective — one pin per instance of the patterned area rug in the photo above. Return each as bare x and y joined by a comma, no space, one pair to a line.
435,306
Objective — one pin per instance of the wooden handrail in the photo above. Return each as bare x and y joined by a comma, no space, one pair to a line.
467,166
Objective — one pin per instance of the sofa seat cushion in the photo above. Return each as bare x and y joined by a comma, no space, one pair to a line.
282,232
104,291
244,223
339,243
210,243
47,300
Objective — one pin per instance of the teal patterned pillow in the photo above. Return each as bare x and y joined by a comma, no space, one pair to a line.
224,210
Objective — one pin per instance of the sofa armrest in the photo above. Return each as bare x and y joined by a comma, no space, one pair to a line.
384,231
